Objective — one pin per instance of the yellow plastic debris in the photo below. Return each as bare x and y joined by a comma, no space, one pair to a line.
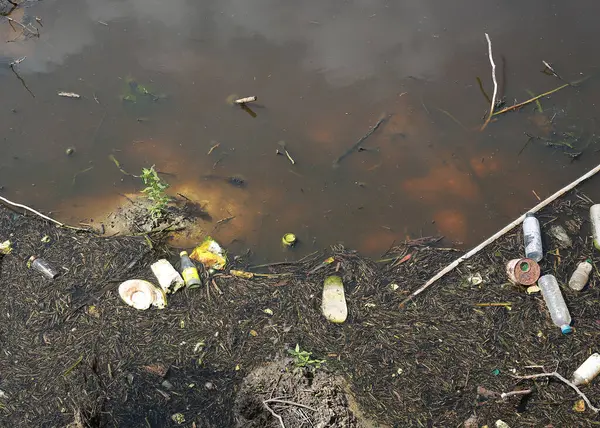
579,406
241,274
210,254
334,301
5,247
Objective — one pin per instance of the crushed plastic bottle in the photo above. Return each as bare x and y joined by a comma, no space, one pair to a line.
581,275
587,371
555,303
595,219
533,238
42,266
189,271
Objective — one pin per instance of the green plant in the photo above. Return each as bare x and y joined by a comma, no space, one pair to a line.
302,358
155,192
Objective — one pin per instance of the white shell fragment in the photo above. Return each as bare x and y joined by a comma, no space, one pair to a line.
69,95
169,279
142,294
334,301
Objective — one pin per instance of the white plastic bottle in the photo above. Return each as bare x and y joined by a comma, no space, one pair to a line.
533,238
555,303
581,275
587,371
595,219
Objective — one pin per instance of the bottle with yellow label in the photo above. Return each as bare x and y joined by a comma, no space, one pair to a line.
189,271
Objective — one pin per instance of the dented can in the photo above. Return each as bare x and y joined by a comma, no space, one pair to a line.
523,271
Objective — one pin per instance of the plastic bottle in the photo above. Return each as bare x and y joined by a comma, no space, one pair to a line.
533,238
595,219
587,371
581,275
42,266
555,303
189,271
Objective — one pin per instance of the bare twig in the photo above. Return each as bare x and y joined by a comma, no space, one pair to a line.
493,103
566,382
45,217
35,32
488,393
505,395
17,61
499,234
530,100
279,418
291,403
12,67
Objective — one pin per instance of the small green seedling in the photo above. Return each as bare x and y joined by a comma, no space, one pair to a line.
302,358
155,192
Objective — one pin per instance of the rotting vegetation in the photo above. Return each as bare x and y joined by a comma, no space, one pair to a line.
73,352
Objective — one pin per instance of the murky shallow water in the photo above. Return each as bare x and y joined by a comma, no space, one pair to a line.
324,74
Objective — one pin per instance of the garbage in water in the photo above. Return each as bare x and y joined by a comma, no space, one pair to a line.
210,254
321,265
334,302
178,418
533,238
69,95
289,240
189,271
5,247
581,275
533,289
561,236
142,294
555,303
245,100
168,278
586,372
501,424
595,220
523,271
42,266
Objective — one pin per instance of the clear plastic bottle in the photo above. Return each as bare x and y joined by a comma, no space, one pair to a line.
595,219
587,371
555,303
581,275
533,238
189,271
42,266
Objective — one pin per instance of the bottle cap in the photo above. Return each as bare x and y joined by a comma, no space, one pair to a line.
566,329
183,253
289,239
589,261
529,215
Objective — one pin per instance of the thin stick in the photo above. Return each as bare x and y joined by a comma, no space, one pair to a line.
274,414
493,103
566,382
291,403
45,217
505,395
498,234
516,106
24,27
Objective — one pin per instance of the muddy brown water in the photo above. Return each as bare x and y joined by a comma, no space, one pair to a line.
324,73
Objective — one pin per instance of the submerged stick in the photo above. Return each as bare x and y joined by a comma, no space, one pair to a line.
545,94
498,234
359,142
493,103
45,217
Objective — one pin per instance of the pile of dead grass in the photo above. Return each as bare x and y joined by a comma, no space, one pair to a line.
420,366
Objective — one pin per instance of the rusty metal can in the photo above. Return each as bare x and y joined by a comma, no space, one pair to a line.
523,271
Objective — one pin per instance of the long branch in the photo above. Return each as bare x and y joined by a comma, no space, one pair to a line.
45,217
537,97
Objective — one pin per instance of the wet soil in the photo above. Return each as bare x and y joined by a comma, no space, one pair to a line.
73,352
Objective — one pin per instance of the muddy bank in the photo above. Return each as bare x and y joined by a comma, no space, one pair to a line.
74,353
